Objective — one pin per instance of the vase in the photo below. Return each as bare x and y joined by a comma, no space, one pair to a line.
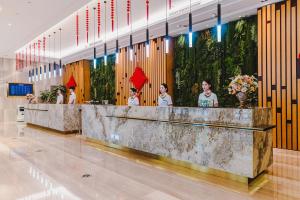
242,97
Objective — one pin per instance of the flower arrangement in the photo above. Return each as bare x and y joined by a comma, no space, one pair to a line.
242,86
242,83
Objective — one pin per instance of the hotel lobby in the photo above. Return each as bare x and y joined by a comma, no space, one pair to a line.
150,99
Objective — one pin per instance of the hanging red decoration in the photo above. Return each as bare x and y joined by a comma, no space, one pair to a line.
170,4
138,78
16,61
147,9
71,82
23,56
26,64
128,11
87,24
77,29
34,53
30,54
44,47
39,50
112,14
99,17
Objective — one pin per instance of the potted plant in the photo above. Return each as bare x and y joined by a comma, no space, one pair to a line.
242,86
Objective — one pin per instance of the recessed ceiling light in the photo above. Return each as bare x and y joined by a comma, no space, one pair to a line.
0,8
9,24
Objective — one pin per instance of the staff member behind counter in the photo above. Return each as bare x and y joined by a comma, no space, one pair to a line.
72,97
164,98
207,98
133,100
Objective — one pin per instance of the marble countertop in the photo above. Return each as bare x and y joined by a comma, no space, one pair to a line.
248,118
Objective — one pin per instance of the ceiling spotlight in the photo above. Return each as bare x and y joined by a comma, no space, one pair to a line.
9,24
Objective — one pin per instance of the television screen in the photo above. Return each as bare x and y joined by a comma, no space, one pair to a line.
19,89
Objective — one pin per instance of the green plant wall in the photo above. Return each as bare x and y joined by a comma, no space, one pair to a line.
208,59
103,80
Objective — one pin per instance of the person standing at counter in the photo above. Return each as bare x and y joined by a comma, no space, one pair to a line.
207,98
60,97
133,100
72,98
164,98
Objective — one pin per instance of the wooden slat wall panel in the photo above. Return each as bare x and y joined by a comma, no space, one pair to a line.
81,73
158,68
298,70
278,69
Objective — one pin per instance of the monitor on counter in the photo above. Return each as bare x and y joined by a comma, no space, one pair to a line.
19,89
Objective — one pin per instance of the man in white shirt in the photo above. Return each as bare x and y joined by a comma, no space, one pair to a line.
72,98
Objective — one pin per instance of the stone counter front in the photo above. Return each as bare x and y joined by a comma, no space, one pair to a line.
61,117
237,141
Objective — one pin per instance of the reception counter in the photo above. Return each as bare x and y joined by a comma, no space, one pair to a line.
234,141
61,117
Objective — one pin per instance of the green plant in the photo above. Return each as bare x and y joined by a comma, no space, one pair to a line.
62,88
49,96
208,59
103,80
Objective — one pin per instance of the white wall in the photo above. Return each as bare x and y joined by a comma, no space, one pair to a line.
8,73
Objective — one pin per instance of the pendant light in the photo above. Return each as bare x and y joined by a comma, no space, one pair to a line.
41,72
95,59
54,54
131,40
49,60
190,26
60,64
29,76
117,41
147,31
36,74
167,30
32,75
105,47
219,25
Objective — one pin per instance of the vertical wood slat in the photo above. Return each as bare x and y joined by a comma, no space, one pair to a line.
294,79
298,80
283,76
288,74
264,56
268,60
155,68
278,47
273,69
278,81
259,57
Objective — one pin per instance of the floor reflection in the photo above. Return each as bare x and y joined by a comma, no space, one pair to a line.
39,164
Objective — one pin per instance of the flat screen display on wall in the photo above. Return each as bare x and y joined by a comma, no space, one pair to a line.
19,89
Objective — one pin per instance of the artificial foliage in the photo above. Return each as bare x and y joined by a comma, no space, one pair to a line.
103,80
218,62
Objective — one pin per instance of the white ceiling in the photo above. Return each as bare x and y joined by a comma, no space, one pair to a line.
41,18
29,18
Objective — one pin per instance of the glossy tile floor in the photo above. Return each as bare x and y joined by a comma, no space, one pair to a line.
39,164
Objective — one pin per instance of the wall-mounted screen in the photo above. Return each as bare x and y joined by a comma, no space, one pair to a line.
19,89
